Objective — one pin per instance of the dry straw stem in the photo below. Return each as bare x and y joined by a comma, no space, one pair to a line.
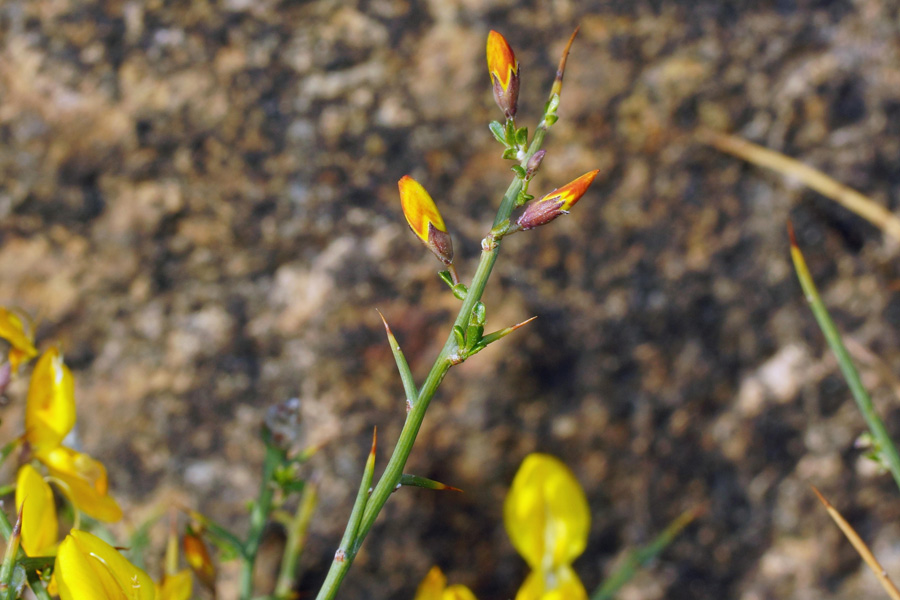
861,548
847,197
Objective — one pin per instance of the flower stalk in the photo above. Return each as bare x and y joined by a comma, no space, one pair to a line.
453,352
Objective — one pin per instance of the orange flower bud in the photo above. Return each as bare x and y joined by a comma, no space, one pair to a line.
558,202
424,219
504,70
198,558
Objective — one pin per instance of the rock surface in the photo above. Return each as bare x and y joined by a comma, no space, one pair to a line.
198,200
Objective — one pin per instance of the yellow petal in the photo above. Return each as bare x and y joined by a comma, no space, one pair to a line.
560,584
39,525
432,586
424,219
458,592
89,568
50,406
13,331
176,587
546,513
502,63
84,482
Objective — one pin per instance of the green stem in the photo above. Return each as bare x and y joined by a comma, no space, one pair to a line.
390,479
298,527
258,517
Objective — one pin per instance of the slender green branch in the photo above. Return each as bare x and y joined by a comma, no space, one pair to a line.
450,354
258,516
885,446
296,537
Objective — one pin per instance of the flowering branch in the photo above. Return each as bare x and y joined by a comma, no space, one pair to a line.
466,337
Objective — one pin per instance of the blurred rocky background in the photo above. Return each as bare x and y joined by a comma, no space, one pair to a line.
199,202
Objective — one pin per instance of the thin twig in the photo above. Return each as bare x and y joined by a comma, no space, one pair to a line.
861,548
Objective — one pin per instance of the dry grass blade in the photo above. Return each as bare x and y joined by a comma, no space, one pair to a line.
847,197
861,548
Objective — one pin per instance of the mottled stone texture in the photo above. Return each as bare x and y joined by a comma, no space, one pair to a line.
199,202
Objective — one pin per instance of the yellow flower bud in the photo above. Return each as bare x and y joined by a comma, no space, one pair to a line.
424,219
556,203
504,71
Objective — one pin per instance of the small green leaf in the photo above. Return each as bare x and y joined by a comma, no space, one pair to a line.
551,119
519,171
409,384
498,131
460,291
446,278
510,132
509,153
422,482
522,136
460,336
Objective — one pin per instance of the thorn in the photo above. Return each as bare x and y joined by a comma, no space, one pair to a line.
522,324
374,440
561,69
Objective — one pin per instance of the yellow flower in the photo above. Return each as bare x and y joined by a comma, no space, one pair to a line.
50,406
39,526
547,519
89,568
83,480
49,417
424,219
175,587
504,71
21,341
559,584
556,203
434,587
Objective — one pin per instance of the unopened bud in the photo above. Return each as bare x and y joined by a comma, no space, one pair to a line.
504,70
283,420
198,558
556,203
424,219
534,163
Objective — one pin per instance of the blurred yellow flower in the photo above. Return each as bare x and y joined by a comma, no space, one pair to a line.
40,529
89,568
561,583
547,519
83,480
21,341
175,587
50,405
434,587
49,417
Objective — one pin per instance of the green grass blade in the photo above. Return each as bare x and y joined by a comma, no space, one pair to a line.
637,559
885,446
